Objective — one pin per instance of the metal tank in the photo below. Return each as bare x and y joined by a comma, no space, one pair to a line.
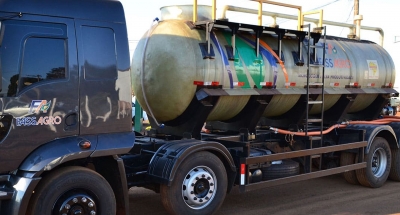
168,63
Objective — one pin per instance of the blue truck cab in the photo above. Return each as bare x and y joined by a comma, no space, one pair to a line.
65,100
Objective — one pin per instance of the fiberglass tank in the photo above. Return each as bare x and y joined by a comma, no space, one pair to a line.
168,63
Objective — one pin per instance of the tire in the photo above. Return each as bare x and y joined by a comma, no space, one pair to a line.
395,167
347,158
285,169
207,175
378,164
71,190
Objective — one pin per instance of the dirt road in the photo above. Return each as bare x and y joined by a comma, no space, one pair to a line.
328,195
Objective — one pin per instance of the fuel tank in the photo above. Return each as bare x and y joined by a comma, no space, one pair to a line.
170,62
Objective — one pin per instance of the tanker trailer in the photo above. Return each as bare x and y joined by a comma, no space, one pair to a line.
282,106
171,64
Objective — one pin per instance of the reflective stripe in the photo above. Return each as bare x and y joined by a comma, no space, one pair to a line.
242,174
336,84
238,84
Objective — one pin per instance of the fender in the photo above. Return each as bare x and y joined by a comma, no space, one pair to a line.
371,131
166,161
54,153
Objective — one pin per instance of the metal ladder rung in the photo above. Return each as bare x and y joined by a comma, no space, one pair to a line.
316,47
314,120
314,102
315,156
316,65
315,138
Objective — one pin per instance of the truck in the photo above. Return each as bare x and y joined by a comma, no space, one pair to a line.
280,106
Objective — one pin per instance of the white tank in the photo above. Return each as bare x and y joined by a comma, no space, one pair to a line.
173,63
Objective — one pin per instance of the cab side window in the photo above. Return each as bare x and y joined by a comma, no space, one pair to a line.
31,53
43,59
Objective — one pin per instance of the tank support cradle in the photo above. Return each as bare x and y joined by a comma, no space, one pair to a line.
190,123
247,118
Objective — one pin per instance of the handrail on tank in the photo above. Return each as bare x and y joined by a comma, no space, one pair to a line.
213,8
321,14
286,16
260,11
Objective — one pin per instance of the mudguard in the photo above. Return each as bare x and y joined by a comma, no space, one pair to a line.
54,153
371,131
59,151
166,161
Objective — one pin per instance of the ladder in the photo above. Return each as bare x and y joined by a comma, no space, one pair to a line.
313,99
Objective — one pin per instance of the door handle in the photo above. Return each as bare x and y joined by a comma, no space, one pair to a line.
71,121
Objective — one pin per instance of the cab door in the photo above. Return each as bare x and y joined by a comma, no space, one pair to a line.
39,92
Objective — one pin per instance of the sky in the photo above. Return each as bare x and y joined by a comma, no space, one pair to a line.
383,13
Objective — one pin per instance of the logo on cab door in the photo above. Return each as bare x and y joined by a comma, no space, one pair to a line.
38,106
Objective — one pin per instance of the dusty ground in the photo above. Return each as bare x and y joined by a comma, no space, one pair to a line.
328,195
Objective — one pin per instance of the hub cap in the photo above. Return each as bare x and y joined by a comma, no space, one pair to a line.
379,162
199,187
75,204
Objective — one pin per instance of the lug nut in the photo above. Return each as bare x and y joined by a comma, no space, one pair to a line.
201,200
192,184
197,178
90,204
84,199
191,192
208,178
92,212
194,198
207,198
211,184
211,191
67,206
75,200
203,176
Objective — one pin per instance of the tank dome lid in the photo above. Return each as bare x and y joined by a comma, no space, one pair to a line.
185,12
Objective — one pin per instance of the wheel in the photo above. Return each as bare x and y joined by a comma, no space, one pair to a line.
395,167
378,164
347,158
73,190
285,169
199,187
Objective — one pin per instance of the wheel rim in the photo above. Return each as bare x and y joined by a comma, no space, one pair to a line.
75,203
379,162
199,187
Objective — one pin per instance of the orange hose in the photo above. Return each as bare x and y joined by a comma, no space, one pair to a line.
386,120
266,46
312,133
